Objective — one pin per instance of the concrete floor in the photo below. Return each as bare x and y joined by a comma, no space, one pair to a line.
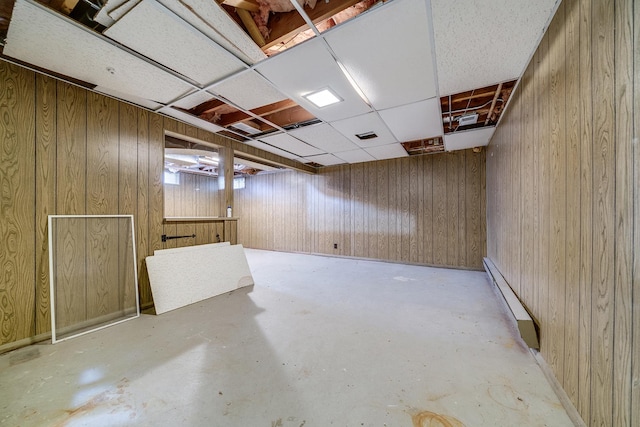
318,341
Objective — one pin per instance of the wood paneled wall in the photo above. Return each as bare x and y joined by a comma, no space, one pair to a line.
560,209
425,210
66,150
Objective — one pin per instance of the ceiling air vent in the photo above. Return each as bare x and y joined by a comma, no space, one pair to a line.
366,135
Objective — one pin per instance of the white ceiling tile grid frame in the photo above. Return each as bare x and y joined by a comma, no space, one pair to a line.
299,71
157,33
248,90
405,73
73,50
411,122
210,19
324,137
522,21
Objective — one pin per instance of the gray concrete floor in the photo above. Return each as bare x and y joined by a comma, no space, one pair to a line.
317,341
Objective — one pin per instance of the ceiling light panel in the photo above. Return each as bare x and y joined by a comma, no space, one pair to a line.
391,151
388,53
468,139
209,18
157,33
73,51
248,90
324,137
355,156
325,160
520,22
266,147
291,144
369,122
302,70
414,121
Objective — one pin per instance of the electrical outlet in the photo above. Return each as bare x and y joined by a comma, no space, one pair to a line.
335,246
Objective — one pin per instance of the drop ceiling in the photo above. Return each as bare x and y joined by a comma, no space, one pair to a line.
391,66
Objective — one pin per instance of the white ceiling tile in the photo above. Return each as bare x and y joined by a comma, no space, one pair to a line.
324,137
193,120
70,50
390,151
248,90
504,35
123,9
193,100
468,139
103,17
266,147
213,21
369,122
325,159
414,121
288,143
128,97
310,67
388,52
157,33
355,156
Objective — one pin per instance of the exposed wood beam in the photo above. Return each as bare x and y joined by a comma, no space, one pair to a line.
285,25
290,116
274,108
251,27
207,107
249,5
231,118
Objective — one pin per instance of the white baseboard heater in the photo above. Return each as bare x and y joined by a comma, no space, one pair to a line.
525,323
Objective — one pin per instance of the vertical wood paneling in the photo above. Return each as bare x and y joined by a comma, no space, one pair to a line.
572,262
577,145
586,211
102,199
71,198
558,208
603,213
382,210
45,193
427,195
142,215
635,363
17,180
624,183
439,218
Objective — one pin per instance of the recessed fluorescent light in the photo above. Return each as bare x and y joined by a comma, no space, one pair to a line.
323,97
